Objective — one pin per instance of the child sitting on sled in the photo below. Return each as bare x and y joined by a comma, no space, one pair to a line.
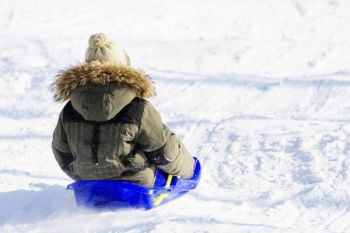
108,130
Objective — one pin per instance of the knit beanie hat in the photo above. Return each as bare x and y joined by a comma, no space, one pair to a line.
103,50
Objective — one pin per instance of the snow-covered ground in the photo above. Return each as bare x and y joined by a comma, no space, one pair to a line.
259,90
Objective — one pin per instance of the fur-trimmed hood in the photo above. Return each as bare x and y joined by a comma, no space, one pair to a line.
96,73
100,91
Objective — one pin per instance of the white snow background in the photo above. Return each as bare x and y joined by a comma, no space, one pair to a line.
258,90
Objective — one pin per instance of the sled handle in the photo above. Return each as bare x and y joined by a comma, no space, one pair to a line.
161,197
168,181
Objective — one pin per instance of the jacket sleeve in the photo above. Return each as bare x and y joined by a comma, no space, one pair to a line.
161,146
61,149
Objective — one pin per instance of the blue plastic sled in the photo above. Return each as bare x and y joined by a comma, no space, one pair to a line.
116,194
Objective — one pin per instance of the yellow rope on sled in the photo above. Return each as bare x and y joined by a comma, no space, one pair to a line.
161,197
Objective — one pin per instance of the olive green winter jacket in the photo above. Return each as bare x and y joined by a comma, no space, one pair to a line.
107,130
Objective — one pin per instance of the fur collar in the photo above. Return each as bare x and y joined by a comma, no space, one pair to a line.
101,74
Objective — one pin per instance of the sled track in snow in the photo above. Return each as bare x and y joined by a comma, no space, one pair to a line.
340,78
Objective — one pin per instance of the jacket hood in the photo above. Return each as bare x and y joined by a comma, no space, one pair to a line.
99,91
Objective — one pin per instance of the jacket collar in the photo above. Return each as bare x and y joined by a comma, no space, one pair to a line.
101,74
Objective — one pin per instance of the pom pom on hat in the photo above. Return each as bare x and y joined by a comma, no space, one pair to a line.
103,50
98,41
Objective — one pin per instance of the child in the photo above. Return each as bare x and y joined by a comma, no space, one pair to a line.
107,130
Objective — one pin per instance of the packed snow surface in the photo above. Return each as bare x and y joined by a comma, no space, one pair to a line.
258,90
